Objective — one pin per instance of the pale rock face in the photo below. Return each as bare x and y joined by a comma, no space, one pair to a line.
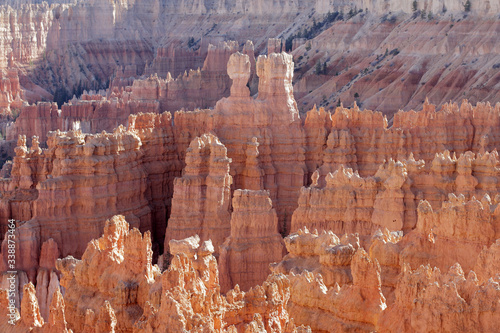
355,307
423,134
238,69
344,205
116,288
389,199
455,233
113,279
190,298
274,45
275,73
340,150
254,242
427,299
252,177
319,253
389,207
201,200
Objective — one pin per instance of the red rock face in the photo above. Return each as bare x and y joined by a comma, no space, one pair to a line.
254,241
11,94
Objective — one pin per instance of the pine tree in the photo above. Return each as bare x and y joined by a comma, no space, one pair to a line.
467,6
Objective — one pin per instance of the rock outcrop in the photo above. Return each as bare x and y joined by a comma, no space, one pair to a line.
356,307
115,271
202,196
427,299
76,181
215,188
389,199
11,94
272,118
319,253
344,205
31,319
116,287
254,242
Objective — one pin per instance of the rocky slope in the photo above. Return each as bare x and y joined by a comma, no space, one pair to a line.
396,62
366,56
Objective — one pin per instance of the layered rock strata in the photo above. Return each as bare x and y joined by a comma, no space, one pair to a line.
78,180
389,199
353,308
202,196
427,299
273,150
254,242
273,119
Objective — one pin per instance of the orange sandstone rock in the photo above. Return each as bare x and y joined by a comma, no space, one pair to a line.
115,272
201,200
319,253
116,288
254,241
355,307
427,299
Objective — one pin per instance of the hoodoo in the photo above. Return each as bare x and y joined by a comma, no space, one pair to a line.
249,166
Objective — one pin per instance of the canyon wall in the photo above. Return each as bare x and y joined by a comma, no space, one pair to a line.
390,218
346,173
273,149
388,62
62,47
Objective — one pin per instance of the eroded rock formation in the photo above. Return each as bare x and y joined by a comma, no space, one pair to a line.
202,196
418,189
354,308
254,242
115,287
427,299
